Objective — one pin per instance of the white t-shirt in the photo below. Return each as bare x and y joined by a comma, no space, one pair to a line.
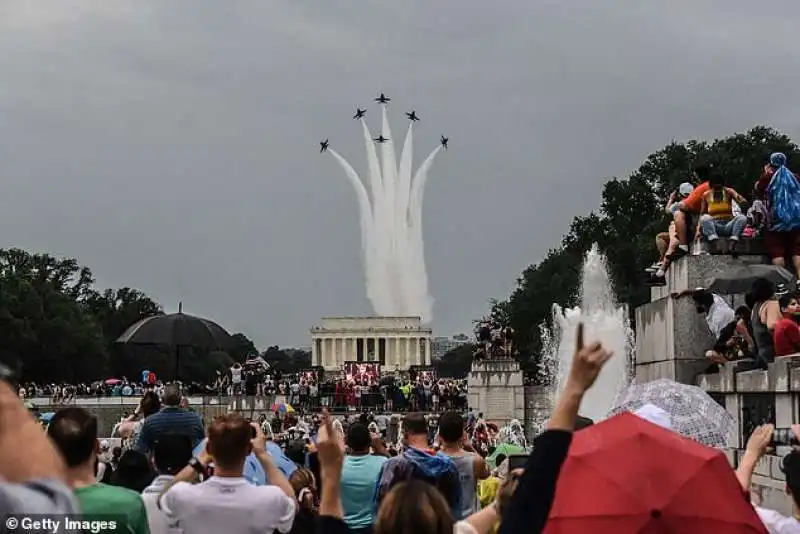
777,523
719,316
236,375
228,505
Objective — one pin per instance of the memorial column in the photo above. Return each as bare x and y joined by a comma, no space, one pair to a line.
427,359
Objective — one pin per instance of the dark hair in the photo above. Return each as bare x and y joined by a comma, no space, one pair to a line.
133,471
743,312
703,298
171,453
358,438
150,404
229,440
415,424
451,427
784,301
499,459
74,432
791,469
716,180
762,290
172,395
703,171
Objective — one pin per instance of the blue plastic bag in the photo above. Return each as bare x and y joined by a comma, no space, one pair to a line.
784,195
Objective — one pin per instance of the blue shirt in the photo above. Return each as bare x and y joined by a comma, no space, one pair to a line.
359,479
170,420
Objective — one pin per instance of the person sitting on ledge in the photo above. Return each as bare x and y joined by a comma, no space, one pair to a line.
717,218
686,211
668,242
786,336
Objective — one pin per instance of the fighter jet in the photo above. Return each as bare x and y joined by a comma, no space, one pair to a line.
380,139
359,113
383,99
412,116
444,141
323,146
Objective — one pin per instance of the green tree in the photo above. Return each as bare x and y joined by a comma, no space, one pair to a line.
624,227
455,363
46,336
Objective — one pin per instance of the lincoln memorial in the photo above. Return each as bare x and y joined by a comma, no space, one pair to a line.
396,342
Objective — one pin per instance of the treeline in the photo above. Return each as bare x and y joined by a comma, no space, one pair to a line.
630,215
55,326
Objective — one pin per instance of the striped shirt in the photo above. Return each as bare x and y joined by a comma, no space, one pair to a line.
170,420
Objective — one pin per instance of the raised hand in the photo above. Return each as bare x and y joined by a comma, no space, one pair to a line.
587,362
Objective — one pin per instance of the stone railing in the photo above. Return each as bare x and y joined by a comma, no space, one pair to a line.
755,397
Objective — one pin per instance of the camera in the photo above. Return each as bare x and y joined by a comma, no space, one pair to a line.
784,437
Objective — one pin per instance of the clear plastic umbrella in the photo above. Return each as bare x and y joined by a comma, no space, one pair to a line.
692,412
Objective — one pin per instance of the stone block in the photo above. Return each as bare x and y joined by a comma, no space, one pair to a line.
671,329
495,388
691,272
794,379
658,293
753,381
721,382
684,371
745,247
780,371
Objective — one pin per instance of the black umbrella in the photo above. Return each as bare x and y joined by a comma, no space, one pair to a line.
178,330
740,279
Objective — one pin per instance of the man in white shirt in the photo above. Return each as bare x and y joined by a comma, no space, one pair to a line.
720,317
226,502
170,454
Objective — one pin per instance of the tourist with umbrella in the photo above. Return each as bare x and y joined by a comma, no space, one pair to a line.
691,411
176,331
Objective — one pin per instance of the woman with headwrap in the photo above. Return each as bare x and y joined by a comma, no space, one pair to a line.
781,190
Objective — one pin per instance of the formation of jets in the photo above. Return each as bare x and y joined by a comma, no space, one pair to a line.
360,113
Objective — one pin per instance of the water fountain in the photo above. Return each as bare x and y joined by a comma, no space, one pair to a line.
605,321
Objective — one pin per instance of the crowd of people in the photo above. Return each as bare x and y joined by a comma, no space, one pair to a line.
419,391
704,211
328,475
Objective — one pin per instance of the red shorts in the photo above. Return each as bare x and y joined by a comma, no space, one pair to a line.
782,244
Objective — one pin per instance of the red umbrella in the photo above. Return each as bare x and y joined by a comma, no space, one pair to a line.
627,475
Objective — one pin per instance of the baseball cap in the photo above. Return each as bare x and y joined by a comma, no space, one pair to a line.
105,445
685,189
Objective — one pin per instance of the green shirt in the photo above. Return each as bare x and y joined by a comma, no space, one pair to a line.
102,501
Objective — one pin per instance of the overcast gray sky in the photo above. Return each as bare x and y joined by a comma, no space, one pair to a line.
171,145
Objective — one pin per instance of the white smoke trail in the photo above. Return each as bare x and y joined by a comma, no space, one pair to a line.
389,174
402,217
377,292
417,244
378,247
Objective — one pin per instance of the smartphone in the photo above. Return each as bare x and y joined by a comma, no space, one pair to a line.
517,461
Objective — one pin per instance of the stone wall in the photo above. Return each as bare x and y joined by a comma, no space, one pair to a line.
671,340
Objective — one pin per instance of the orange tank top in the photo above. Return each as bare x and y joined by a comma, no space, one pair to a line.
720,208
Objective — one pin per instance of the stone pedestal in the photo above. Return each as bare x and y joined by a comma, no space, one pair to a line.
496,389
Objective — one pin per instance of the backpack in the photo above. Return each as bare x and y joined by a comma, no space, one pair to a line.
783,193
